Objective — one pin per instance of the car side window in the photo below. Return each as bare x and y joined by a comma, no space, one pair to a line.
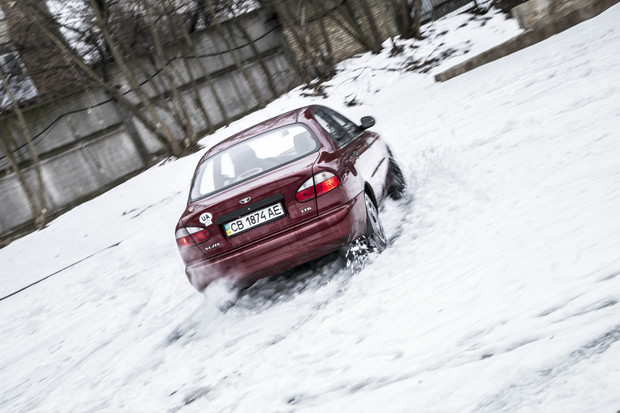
351,128
333,127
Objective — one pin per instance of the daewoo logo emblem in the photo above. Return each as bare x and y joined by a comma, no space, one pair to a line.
245,200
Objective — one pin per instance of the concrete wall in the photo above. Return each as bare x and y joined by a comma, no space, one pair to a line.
544,26
342,43
4,32
87,143
537,12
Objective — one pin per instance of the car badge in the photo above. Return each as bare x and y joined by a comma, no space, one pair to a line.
245,200
206,219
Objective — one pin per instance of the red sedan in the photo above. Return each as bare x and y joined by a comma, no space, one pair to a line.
284,192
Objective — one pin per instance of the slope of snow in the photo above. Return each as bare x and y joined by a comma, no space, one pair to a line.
499,291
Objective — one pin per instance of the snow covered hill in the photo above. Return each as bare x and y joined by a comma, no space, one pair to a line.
499,291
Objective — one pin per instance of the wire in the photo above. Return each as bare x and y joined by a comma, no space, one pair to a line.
40,134
59,271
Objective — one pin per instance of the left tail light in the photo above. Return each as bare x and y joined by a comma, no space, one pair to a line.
189,236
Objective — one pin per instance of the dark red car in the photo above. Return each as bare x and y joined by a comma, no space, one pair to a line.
284,192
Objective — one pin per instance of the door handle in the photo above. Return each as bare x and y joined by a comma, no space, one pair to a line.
356,154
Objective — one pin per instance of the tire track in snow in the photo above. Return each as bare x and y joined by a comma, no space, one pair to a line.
518,396
324,281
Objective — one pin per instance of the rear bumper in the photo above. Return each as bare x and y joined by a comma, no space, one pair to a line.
286,249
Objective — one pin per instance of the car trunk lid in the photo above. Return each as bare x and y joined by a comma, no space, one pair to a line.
254,209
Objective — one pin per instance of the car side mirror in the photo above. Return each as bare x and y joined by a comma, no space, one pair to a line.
367,122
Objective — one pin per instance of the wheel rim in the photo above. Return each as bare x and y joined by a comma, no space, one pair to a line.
376,233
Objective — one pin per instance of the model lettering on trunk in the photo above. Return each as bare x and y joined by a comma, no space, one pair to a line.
210,247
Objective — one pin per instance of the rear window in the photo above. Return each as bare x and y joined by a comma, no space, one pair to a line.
252,157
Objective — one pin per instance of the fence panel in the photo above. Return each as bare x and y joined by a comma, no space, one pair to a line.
437,9
87,143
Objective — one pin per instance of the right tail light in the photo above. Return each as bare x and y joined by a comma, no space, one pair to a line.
319,184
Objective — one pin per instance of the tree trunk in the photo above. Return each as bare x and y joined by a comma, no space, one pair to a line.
206,74
403,11
254,49
154,126
314,64
328,44
172,145
417,4
171,16
375,36
181,114
34,208
38,213
346,19
233,53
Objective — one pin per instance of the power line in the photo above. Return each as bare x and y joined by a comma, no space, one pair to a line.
58,272
38,138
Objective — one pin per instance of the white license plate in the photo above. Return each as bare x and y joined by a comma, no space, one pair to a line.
253,219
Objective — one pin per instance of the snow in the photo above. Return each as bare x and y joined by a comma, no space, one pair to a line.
499,291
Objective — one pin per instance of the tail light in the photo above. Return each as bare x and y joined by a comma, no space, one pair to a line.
190,236
316,186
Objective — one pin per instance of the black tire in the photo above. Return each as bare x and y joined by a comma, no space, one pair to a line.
375,235
398,185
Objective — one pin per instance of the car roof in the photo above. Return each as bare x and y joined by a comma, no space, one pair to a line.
287,118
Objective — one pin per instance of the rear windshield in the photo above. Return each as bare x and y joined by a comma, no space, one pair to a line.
252,157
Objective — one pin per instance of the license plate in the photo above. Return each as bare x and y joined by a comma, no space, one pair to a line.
253,219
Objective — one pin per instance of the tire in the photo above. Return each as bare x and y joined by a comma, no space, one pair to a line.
375,235
397,181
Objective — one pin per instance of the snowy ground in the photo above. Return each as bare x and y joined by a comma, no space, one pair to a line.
499,292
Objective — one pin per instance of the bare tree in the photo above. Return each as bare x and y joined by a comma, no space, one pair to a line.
228,41
417,19
38,206
144,56
176,20
356,19
403,16
124,94
180,112
294,17
310,26
50,73
407,14
123,47
250,42
367,15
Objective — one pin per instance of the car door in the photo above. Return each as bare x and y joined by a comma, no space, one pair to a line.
361,149
342,157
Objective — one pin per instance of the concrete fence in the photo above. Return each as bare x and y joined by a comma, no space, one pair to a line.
540,20
87,143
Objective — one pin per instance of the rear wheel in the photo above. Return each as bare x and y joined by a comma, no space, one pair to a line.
397,181
375,235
